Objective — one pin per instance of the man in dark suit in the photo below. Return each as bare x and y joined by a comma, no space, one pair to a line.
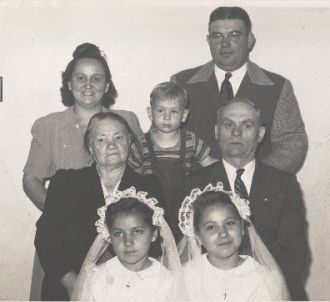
275,197
231,73
66,229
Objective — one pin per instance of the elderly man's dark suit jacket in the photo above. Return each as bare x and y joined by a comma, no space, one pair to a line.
277,213
285,142
66,229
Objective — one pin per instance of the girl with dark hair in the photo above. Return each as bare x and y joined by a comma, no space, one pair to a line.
129,225
215,221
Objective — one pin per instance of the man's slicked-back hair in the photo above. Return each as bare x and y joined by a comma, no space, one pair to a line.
169,91
229,13
241,100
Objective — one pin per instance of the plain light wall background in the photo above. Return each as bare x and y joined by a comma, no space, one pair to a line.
146,42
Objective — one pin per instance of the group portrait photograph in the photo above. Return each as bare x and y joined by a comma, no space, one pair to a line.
167,150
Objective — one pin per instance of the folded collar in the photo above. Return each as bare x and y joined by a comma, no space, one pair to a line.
256,74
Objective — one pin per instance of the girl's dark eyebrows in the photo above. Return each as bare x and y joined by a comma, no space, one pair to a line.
139,227
134,227
225,119
232,217
115,229
207,222
98,74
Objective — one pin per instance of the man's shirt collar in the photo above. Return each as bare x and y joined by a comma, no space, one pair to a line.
236,78
255,73
247,176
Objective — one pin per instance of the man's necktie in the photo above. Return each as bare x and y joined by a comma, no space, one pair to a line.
226,90
239,185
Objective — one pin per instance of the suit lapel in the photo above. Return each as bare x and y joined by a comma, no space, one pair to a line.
212,90
219,174
246,88
261,194
205,78
254,78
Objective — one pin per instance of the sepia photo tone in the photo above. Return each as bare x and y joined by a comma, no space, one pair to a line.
146,42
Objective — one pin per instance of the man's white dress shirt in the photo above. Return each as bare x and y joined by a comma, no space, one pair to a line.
246,177
235,80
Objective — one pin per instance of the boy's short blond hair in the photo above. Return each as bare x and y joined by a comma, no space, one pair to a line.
169,91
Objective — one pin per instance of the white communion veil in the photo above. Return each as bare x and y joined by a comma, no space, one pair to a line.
167,279
265,266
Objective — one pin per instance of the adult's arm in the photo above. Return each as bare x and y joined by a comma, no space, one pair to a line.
37,167
132,121
293,234
202,152
135,125
288,136
52,243
135,157
34,188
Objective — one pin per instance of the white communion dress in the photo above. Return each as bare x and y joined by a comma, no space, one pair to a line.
242,283
114,282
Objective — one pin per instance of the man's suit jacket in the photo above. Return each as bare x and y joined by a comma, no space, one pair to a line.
285,142
66,229
277,214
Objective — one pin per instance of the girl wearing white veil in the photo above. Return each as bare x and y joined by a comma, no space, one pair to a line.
217,221
129,227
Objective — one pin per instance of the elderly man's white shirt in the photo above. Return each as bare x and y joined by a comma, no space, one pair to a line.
247,176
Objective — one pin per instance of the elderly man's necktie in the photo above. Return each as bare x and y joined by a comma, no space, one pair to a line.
239,185
226,90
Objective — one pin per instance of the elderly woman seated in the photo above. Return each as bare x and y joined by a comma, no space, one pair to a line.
66,229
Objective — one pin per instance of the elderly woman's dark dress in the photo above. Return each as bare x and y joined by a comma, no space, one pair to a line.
66,229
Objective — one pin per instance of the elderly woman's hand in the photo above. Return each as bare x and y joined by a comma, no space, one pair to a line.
69,281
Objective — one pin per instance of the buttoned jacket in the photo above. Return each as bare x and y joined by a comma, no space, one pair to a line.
278,214
285,142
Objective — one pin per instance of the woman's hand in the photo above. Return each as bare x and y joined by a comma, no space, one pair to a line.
69,281
34,188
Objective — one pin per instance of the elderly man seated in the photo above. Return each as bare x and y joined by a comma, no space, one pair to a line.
275,196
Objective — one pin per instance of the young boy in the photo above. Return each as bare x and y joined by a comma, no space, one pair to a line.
171,150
